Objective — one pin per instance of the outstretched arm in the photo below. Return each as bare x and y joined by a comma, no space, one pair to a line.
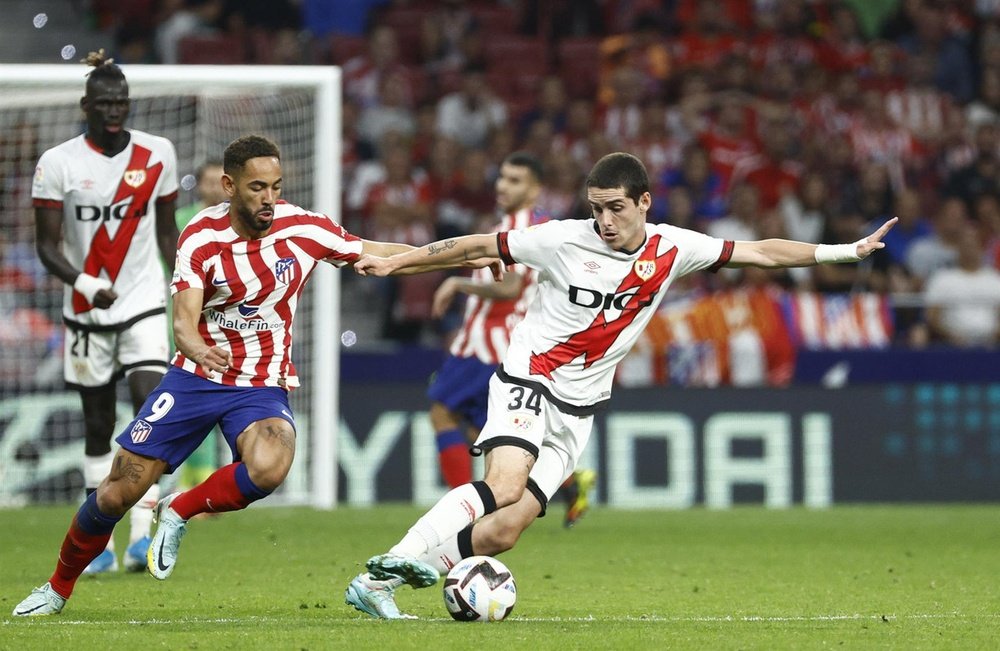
470,251
787,253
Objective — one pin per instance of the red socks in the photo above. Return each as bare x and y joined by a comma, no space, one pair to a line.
78,549
453,457
227,489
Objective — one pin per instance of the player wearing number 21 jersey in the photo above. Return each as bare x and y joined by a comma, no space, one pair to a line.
599,282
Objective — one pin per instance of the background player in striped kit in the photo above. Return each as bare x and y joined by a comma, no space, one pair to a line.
109,196
459,388
241,267
600,281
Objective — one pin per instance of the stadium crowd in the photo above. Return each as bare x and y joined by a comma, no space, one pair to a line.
811,120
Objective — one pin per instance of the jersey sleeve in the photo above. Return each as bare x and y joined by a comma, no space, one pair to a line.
531,246
341,247
189,268
47,187
169,187
697,251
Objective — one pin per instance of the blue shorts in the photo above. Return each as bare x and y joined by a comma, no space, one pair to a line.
182,410
463,386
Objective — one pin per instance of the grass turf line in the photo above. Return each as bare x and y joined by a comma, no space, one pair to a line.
904,577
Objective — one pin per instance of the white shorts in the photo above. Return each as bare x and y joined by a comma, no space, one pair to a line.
522,416
97,357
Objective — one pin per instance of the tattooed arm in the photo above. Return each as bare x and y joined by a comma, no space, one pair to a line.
470,251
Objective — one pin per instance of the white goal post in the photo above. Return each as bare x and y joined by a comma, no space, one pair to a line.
201,109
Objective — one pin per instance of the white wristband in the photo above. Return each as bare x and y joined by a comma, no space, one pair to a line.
89,285
826,253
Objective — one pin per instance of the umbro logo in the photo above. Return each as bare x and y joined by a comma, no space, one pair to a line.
590,264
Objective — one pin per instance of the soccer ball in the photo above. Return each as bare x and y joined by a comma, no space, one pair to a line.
479,589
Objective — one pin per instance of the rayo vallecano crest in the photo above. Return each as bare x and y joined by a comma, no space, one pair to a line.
645,268
134,178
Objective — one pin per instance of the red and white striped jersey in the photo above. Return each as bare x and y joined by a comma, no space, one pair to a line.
109,219
485,331
252,287
593,301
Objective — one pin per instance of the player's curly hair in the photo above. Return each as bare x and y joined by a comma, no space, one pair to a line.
243,149
620,170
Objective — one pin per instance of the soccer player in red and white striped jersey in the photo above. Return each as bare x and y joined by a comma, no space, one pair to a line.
600,281
241,268
104,215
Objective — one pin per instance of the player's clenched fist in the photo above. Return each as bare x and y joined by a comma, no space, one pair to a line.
214,359
372,265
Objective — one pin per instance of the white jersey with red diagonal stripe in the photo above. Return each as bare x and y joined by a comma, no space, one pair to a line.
109,219
486,327
593,301
252,287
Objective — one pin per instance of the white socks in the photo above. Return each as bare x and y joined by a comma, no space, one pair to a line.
141,518
459,508
444,556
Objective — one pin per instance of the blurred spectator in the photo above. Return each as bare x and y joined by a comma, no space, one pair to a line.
551,105
392,112
703,185
442,33
473,195
983,174
622,118
869,193
938,250
562,194
185,18
655,145
805,213
729,139
953,69
774,172
744,219
710,40
322,17
985,109
963,302
643,49
471,113
575,139
364,73
918,105
875,137
913,225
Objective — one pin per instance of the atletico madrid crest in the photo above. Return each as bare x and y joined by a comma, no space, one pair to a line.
284,270
134,178
645,268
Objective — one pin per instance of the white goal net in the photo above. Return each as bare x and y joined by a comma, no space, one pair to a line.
200,109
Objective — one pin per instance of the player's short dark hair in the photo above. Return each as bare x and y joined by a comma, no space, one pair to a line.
529,160
104,69
620,170
243,149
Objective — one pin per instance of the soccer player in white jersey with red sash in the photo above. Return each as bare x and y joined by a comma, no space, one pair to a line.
241,268
109,196
460,388
600,280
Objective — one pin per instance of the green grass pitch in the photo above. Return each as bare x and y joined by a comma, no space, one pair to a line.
900,577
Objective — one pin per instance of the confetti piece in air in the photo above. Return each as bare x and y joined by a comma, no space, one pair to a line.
348,338
68,52
188,182
39,20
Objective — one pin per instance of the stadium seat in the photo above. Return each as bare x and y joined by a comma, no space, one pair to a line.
579,51
494,19
216,49
341,47
517,54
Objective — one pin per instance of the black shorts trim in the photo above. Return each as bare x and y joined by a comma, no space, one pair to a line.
539,495
498,441
561,405
159,363
116,327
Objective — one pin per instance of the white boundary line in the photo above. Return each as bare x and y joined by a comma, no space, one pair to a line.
709,619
